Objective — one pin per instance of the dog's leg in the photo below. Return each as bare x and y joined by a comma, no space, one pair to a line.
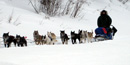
91,40
38,42
88,39
21,44
15,42
49,41
5,44
25,43
84,40
75,41
79,40
8,44
53,42
18,44
72,40
66,41
62,41
42,42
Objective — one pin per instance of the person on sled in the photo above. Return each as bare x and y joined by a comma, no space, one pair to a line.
104,22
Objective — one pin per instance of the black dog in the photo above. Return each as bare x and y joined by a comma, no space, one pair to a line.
8,39
64,37
75,36
21,41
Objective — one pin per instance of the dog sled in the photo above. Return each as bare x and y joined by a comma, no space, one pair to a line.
105,33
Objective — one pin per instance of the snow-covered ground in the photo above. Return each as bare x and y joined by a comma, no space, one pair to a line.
25,21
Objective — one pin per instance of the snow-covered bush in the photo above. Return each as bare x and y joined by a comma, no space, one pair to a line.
50,7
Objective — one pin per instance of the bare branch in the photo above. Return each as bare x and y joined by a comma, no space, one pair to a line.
34,7
11,16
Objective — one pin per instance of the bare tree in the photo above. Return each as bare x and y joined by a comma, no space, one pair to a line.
50,7
77,7
67,8
53,7
34,6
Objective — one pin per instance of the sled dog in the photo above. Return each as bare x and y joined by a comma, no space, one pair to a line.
47,40
90,36
21,41
52,36
37,38
83,36
74,36
64,37
8,39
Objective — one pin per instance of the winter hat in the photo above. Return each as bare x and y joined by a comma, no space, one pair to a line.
103,11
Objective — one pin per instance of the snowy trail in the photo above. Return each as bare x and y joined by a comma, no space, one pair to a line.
111,52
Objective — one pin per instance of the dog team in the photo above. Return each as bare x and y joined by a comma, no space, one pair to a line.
18,40
49,38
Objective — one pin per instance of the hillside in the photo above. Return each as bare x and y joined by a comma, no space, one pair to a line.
25,20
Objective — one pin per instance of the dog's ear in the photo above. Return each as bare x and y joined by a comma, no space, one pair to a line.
92,31
61,30
8,33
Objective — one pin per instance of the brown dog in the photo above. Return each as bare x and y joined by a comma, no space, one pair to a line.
90,36
37,38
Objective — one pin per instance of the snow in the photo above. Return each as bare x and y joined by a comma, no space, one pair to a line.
25,21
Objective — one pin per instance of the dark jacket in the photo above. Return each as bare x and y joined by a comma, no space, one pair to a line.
104,20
